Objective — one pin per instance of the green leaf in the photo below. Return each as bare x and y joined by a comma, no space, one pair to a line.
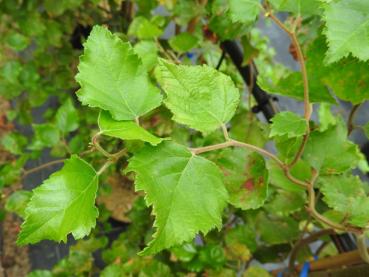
347,78
347,28
291,84
277,177
183,42
46,135
300,7
17,41
198,96
244,11
185,252
246,177
59,7
247,128
63,204
148,53
40,273
346,194
249,51
125,130
243,234
256,271
326,118
67,117
286,202
17,202
113,78
330,151
276,230
223,26
287,147
14,142
186,191
143,28
113,270
288,123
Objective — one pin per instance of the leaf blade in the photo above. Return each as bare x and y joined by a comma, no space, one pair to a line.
112,77
55,209
187,193
198,96
125,130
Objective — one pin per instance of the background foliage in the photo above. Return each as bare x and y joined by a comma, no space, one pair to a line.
143,80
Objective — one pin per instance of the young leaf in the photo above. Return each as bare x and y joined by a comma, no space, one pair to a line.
346,194
143,28
113,78
246,178
288,123
67,117
183,42
17,202
198,96
245,11
63,204
186,191
286,202
125,130
46,135
246,128
276,230
243,234
347,28
330,151
326,118
279,179
14,142
148,53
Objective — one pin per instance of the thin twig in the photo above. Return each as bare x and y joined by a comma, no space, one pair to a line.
225,132
113,159
96,144
236,143
313,212
307,105
301,243
362,247
301,149
45,165
166,53
105,166
350,120
114,156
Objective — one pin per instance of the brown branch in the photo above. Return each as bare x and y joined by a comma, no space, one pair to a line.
362,248
301,149
301,243
314,213
300,57
254,148
350,120
332,262
43,166
235,143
